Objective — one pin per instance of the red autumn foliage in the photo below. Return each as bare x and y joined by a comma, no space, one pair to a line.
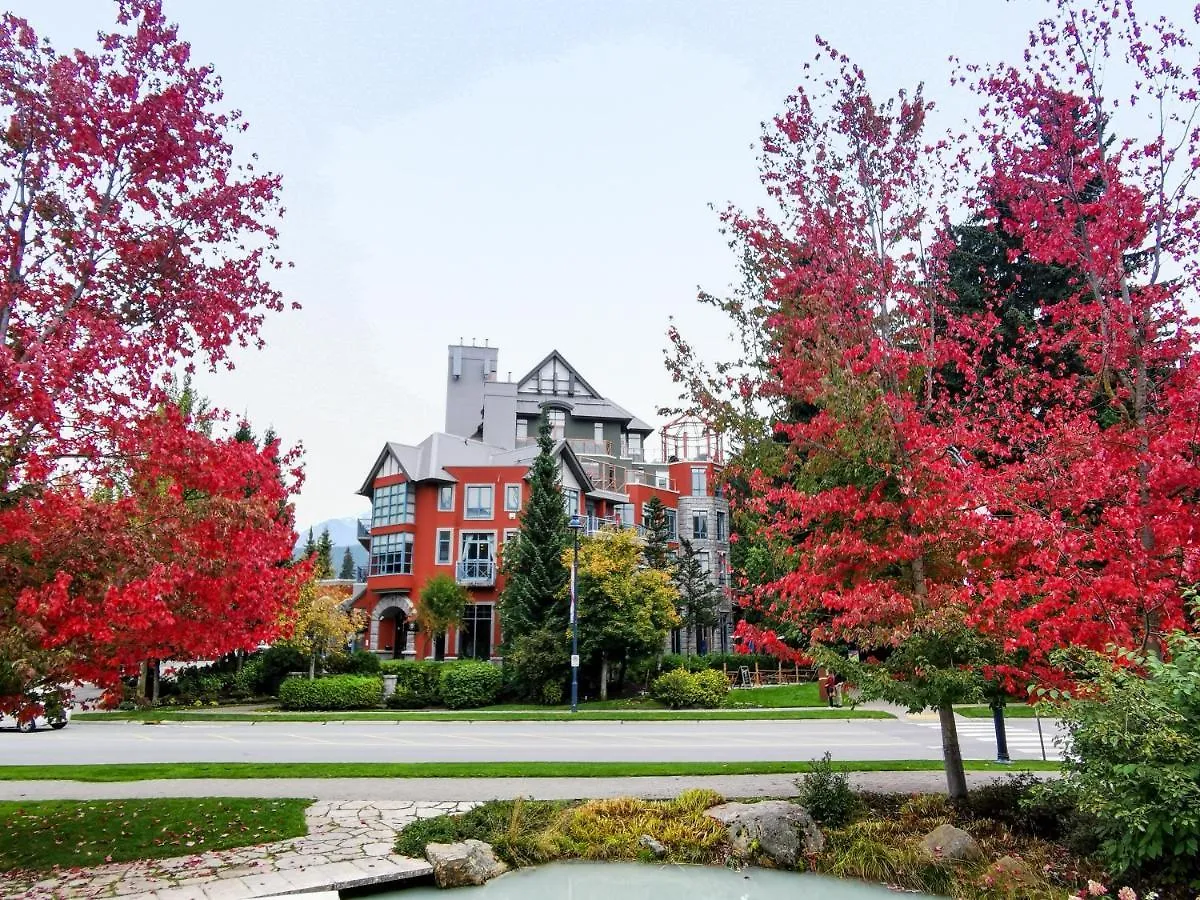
133,243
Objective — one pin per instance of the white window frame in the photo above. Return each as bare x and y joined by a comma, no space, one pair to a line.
442,490
510,534
437,548
702,472
598,432
557,432
507,488
672,524
404,510
571,510
462,541
633,442
699,516
522,430
721,532
491,507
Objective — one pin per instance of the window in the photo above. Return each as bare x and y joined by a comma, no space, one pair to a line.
699,481
723,629
479,501
511,534
522,430
672,524
446,498
558,423
598,432
512,498
720,525
624,512
635,446
392,505
391,554
477,560
475,633
676,641
702,558
722,569
445,546
700,524
571,501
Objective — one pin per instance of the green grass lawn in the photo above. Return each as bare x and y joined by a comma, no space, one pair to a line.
43,834
149,771
775,696
1012,711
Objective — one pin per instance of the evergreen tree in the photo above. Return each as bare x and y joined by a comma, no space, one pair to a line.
244,435
310,546
658,533
347,565
536,580
699,598
324,567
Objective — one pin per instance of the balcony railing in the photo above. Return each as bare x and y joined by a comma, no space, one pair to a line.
476,572
604,476
591,447
653,479
364,531
595,524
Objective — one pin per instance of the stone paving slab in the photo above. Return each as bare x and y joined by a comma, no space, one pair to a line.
349,844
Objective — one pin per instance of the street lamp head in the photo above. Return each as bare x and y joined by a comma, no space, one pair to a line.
576,523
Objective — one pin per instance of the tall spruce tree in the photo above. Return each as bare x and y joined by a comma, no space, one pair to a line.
535,588
324,567
347,570
699,598
656,549
310,546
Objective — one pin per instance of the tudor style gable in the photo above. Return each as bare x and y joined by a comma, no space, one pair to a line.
555,376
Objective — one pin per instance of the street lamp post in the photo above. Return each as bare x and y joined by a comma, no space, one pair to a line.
576,525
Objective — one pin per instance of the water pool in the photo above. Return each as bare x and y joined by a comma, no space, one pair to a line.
643,881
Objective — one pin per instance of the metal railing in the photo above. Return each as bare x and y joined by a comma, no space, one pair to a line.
595,524
476,572
364,528
653,479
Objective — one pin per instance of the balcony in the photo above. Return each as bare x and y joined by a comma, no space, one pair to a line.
476,572
364,531
592,525
588,447
653,479
604,476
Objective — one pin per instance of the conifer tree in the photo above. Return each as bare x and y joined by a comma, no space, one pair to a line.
658,533
347,564
310,546
698,596
535,590
324,567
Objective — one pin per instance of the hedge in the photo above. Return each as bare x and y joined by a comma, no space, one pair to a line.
335,692
470,684
418,682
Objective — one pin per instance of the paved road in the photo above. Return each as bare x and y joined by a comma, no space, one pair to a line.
129,742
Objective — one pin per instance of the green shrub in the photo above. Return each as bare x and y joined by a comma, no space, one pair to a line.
827,794
681,689
418,682
360,662
552,693
535,660
335,692
1132,760
470,684
278,662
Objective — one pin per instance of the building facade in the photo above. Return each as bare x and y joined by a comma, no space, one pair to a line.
449,504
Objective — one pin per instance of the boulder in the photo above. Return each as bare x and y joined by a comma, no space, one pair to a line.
780,830
653,846
458,865
1010,871
951,844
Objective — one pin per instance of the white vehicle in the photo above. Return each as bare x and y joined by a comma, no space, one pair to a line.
52,715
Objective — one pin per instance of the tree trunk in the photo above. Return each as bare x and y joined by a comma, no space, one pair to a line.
143,679
603,677
956,777
154,682
312,665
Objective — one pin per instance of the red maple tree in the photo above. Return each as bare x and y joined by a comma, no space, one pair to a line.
133,242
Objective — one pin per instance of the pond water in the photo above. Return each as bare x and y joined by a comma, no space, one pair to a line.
641,881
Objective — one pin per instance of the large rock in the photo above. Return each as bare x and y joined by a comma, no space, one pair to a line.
459,865
951,844
778,829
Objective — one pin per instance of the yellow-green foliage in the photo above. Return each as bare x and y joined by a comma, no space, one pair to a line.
612,829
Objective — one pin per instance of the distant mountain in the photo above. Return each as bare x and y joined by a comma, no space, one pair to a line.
344,532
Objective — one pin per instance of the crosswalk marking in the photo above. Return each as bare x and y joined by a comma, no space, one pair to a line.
1019,739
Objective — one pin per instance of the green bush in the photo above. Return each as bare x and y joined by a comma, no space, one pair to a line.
335,692
470,684
278,662
681,689
1132,760
360,662
534,661
827,794
418,682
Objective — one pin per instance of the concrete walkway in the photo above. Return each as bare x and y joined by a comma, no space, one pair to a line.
441,790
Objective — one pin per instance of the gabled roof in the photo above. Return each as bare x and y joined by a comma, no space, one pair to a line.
554,355
427,461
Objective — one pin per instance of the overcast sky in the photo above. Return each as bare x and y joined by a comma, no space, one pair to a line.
537,174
